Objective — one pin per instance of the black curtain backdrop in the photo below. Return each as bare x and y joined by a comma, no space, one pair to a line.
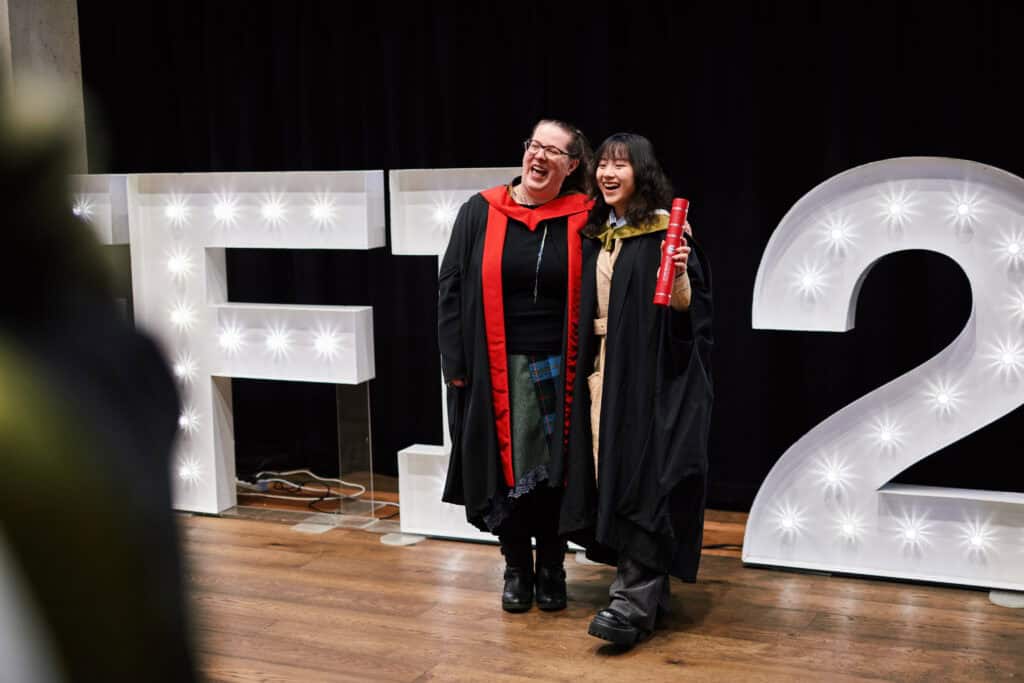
750,105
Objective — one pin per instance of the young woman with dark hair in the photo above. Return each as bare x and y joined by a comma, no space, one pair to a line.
630,158
638,458
508,295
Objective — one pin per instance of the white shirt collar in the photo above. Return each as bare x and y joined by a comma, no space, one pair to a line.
616,222
613,220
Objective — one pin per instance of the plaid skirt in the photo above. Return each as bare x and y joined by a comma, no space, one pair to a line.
532,400
532,404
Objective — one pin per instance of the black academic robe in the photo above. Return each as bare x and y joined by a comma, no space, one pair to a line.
648,500
471,337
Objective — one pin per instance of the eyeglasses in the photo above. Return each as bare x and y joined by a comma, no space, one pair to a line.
534,147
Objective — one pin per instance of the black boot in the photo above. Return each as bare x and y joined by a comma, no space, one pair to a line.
551,588
550,572
518,593
611,626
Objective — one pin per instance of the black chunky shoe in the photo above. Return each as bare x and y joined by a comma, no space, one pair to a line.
551,588
611,626
518,593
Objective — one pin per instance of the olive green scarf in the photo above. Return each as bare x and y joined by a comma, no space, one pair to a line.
609,234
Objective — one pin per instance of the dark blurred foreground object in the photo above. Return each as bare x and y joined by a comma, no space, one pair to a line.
88,416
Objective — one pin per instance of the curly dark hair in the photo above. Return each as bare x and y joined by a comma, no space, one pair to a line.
653,188
581,179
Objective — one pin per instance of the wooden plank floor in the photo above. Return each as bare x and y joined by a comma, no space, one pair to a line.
273,604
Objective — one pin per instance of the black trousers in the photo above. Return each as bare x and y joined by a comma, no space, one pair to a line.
535,515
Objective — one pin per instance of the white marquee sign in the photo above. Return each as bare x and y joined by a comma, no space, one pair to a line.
179,227
828,504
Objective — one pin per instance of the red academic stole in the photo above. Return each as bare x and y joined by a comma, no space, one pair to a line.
502,208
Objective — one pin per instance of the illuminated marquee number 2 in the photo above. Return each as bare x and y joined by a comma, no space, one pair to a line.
827,504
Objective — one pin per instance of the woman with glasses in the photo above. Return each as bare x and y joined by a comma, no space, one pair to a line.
508,295
638,442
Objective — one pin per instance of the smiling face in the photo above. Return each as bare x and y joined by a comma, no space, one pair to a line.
615,179
543,172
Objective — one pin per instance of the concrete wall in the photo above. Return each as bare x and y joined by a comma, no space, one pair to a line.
5,46
41,37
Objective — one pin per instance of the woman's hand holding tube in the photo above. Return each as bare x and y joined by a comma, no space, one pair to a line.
682,253
680,300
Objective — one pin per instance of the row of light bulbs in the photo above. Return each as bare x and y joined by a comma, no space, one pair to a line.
278,340
836,476
226,209
913,530
896,209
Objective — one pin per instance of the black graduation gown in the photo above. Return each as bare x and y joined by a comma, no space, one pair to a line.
472,344
655,416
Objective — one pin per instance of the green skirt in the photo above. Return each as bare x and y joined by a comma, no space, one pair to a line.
532,399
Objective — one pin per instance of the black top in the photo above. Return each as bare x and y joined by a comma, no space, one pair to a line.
534,293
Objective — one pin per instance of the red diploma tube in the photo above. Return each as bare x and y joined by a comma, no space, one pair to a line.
673,239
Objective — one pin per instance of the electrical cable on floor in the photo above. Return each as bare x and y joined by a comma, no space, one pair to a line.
254,489
302,486
314,508
251,489
271,480
341,482
269,495
274,482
